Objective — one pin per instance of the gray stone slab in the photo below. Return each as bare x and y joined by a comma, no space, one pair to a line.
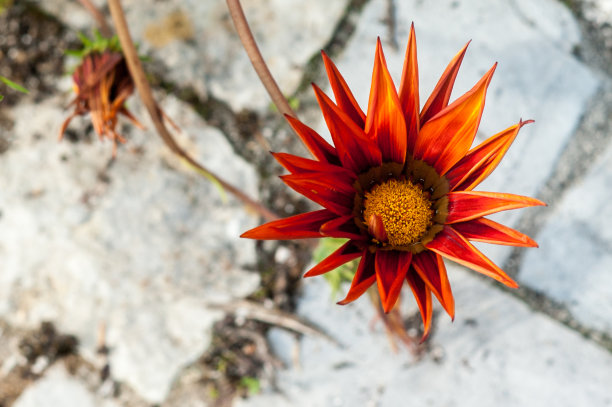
197,42
574,262
58,389
497,352
140,247
537,76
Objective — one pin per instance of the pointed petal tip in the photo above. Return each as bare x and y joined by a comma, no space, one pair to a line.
510,283
379,51
387,307
537,202
524,122
464,49
451,314
247,235
326,58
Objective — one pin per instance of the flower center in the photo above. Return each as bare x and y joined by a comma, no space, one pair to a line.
402,207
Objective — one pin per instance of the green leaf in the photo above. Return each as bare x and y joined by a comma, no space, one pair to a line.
294,103
85,40
1,97
341,275
74,53
251,384
13,85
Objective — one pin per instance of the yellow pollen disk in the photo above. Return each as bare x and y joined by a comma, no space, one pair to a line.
403,208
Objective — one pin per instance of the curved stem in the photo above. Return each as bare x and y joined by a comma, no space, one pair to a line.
98,16
144,90
250,46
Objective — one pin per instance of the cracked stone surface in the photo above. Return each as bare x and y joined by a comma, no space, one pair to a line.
140,247
496,352
197,42
578,250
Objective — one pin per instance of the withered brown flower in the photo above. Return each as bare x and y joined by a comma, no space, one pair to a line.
102,84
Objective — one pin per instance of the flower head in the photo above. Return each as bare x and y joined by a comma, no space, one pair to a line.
102,83
398,184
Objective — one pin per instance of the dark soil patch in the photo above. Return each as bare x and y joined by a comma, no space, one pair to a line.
32,46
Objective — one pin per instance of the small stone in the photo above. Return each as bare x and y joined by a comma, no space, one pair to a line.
282,254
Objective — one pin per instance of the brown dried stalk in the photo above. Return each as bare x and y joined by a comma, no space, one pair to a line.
394,326
144,90
250,46
258,312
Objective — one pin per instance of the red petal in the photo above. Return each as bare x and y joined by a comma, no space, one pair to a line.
385,120
440,96
409,91
318,147
422,294
364,278
487,231
355,149
432,271
391,269
298,165
468,205
343,226
344,97
455,247
300,226
448,136
332,191
479,162
344,254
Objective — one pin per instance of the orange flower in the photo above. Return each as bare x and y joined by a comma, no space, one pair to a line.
102,84
398,184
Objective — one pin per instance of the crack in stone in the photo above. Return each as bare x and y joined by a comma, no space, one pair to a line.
391,22
314,70
589,142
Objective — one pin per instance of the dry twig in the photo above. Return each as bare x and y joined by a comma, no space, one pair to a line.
144,90
250,46
258,312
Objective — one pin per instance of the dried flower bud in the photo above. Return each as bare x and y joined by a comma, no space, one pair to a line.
102,83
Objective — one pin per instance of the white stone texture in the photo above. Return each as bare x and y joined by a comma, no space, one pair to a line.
141,253
58,389
573,264
537,77
497,352
202,51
